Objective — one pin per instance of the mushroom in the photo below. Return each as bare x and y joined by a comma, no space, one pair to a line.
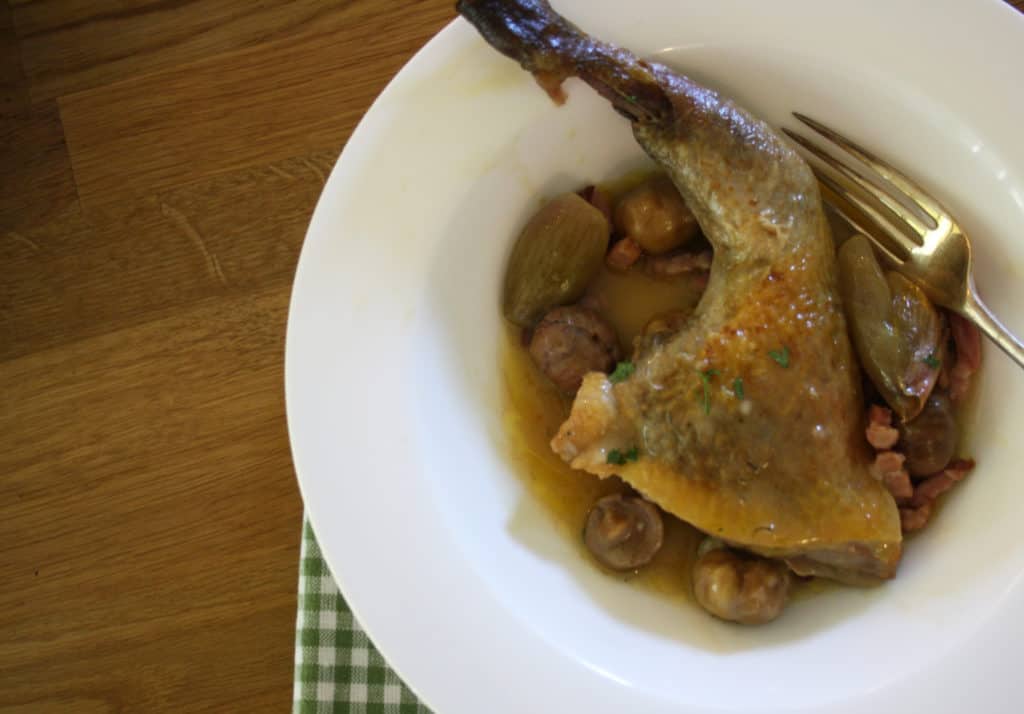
656,216
623,532
739,587
572,341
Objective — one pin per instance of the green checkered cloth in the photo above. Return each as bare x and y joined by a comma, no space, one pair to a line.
337,668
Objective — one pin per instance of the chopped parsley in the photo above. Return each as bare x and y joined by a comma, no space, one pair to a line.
737,388
705,380
932,361
780,356
622,372
618,458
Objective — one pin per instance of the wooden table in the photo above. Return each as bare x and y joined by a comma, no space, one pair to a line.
159,164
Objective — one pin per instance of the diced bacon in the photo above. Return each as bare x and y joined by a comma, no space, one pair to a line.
914,519
887,462
880,415
888,468
916,515
934,486
899,485
624,254
967,339
880,432
673,265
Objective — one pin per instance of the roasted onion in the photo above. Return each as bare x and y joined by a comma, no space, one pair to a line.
895,329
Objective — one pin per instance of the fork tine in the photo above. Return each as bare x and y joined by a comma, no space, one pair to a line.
853,192
892,250
929,207
898,211
890,231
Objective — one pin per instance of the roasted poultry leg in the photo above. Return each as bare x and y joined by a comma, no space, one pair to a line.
749,419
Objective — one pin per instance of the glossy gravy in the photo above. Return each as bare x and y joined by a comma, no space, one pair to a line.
534,410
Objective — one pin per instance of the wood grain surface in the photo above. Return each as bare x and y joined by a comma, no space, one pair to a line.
154,193
159,162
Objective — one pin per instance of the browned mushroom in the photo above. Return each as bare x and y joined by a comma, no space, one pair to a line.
739,587
655,215
623,532
571,341
929,439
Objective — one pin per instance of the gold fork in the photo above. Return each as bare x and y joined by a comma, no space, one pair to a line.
911,229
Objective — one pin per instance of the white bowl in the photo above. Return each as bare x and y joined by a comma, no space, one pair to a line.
394,396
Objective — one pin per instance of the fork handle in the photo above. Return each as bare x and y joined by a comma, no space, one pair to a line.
977,312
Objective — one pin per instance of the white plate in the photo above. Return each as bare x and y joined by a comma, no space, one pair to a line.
394,396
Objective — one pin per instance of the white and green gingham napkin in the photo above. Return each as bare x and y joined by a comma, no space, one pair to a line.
337,668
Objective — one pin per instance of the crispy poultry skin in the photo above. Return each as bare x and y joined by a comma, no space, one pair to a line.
783,471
